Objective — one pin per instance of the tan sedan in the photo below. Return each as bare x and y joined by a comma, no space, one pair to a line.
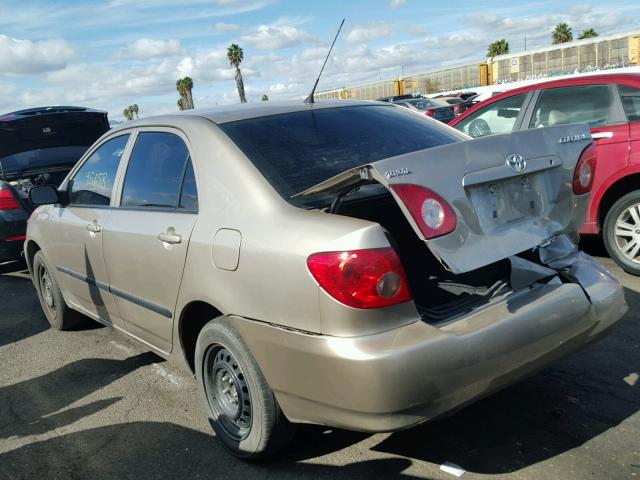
356,265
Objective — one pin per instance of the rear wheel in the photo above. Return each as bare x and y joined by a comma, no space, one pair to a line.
242,408
55,309
621,232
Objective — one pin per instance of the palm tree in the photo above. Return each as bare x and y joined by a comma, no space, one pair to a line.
184,87
127,113
135,109
561,34
587,33
235,55
265,98
499,47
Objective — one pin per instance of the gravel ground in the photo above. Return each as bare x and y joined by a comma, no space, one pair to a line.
92,404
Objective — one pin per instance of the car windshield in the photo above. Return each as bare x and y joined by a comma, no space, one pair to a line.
41,158
295,151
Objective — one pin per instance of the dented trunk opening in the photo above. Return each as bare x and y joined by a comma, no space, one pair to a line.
501,195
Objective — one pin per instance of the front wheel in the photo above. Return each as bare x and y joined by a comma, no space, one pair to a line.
55,309
621,232
242,408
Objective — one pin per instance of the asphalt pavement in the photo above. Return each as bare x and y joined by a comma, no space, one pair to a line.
91,404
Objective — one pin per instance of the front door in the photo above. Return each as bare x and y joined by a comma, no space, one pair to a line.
147,235
76,232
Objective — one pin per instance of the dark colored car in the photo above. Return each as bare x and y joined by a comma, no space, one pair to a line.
38,146
436,109
610,105
459,105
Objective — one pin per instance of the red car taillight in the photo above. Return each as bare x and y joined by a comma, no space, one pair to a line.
371,278
585,170
430,112
8,201
430,211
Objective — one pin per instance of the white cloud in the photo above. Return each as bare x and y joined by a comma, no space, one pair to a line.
397,3
226,27
276,37
24,56
365,32
149,48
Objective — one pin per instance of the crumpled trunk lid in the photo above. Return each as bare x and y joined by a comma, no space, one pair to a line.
500,210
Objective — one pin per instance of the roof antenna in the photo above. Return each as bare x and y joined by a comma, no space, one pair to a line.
309,98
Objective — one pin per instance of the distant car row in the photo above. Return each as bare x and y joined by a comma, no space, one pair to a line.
442,108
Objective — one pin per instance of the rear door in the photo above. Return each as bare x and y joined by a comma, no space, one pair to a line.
147,234
598,106
499,211
630,97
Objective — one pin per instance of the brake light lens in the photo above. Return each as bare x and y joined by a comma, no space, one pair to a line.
8,201
370,278
430,112
430,211
585,170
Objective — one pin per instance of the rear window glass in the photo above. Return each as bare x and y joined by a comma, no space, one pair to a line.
295,151
630,97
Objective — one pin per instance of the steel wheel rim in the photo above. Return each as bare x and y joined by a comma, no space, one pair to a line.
627,233
46,289
228,392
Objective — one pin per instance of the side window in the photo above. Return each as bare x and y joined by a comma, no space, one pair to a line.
498,117
582,104
630,97
155,171
93,182
189,194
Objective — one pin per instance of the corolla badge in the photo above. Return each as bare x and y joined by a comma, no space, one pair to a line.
516,162
398,172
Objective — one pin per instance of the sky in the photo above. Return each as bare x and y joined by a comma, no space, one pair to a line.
113,53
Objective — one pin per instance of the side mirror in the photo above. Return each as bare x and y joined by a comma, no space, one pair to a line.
44,195
508,113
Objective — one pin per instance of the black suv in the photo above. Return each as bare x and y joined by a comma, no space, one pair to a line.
38,146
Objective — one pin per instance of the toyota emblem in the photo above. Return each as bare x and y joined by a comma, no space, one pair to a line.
516,162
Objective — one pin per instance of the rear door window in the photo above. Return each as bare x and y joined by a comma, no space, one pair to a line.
580,104
630,97
498,117
93,183
155,171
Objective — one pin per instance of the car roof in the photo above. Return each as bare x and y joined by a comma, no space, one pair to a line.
244,111
561,82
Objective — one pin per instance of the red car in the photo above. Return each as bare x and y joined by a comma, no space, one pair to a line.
610,104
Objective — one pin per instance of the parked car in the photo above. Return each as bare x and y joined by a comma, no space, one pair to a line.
38,146
610,105
459,105
345,264
438,110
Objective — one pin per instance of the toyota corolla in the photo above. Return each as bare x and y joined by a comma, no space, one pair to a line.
355,265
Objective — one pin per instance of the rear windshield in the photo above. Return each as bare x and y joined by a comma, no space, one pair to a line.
41,158
295,151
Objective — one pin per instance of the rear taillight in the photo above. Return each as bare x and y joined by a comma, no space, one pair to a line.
585,170
429,210
430,112
8,201
371,278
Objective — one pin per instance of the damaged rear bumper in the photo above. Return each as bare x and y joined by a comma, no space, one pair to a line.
399,378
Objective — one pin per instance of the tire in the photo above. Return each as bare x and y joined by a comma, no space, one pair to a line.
58,314
252,427
624,248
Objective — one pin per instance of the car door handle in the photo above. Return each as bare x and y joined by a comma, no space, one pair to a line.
598,135
172,238
93,227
